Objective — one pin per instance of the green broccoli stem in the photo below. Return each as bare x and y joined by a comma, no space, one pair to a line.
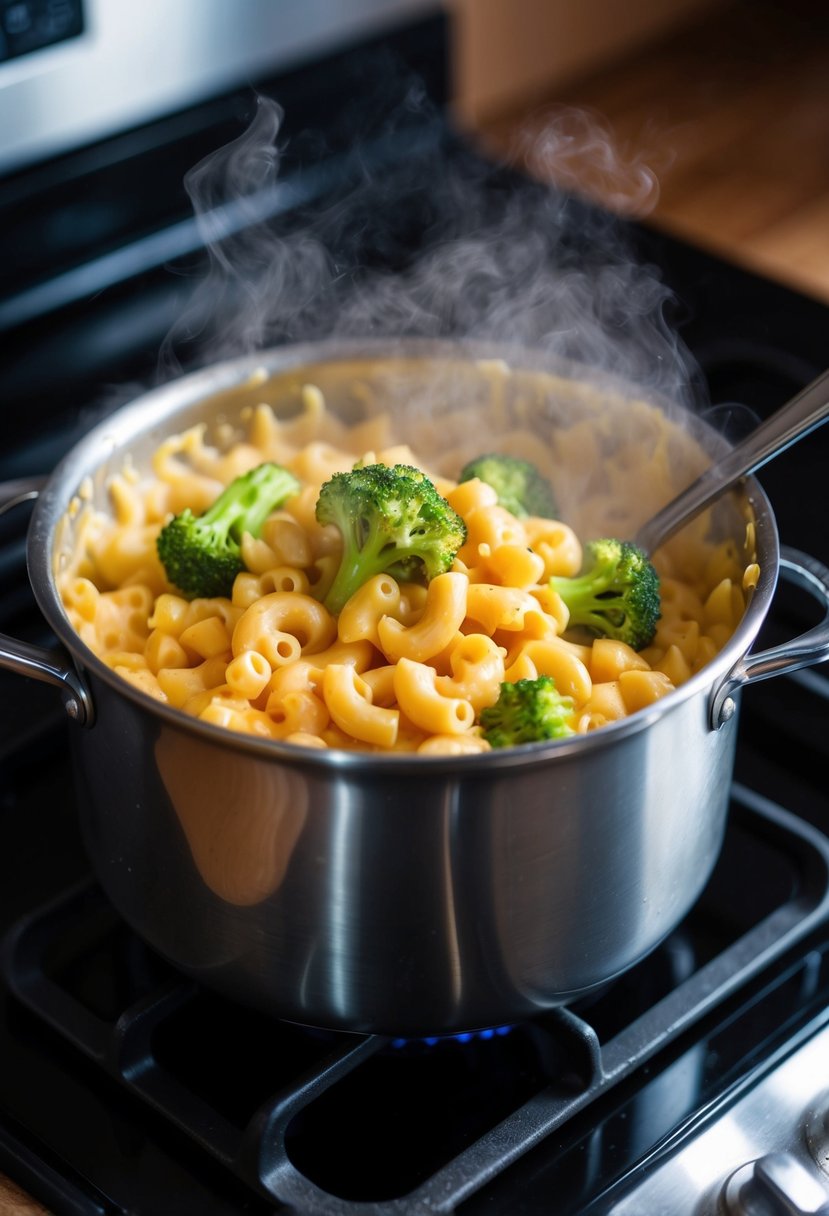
593,581
363,558
581,593
248,501
616,596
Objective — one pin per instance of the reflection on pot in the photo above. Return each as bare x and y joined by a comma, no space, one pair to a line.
242,817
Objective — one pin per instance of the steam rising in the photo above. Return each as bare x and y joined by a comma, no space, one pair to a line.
429,245
576,150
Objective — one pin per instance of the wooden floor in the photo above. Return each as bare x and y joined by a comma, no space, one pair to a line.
720,134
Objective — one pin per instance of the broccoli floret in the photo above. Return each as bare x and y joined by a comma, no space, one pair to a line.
393,521
527,712
520,487
616,595
201,554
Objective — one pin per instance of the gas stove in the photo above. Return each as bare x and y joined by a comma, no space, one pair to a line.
696,1082
128,1087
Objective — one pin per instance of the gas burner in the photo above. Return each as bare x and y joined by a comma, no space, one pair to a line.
467,1036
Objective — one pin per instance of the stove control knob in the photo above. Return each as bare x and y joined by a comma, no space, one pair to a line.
775,1185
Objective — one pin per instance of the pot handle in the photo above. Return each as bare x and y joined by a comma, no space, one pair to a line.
26,659
803,651
24,489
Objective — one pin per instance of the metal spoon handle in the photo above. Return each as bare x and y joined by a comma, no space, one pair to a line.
803,414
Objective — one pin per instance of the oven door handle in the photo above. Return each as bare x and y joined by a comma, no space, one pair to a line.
38,662
803,651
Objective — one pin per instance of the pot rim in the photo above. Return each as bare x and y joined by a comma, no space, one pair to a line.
158,405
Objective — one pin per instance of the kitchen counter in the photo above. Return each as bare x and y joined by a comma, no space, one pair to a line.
13,1202
719,134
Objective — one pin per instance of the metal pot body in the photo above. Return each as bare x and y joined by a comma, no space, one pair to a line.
393,894
404,901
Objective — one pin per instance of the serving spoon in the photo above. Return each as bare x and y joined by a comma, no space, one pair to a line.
794,420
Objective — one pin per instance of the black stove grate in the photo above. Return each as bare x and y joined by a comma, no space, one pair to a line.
261,1097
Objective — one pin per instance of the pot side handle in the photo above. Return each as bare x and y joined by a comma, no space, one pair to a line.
24,489
26,659
803,651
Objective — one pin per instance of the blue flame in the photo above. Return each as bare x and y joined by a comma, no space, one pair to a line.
465,1036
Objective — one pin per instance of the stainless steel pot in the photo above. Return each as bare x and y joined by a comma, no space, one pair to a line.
399,894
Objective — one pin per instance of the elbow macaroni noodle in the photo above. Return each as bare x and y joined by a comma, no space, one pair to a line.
403,667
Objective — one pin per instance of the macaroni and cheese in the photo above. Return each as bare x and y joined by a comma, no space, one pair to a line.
402,667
